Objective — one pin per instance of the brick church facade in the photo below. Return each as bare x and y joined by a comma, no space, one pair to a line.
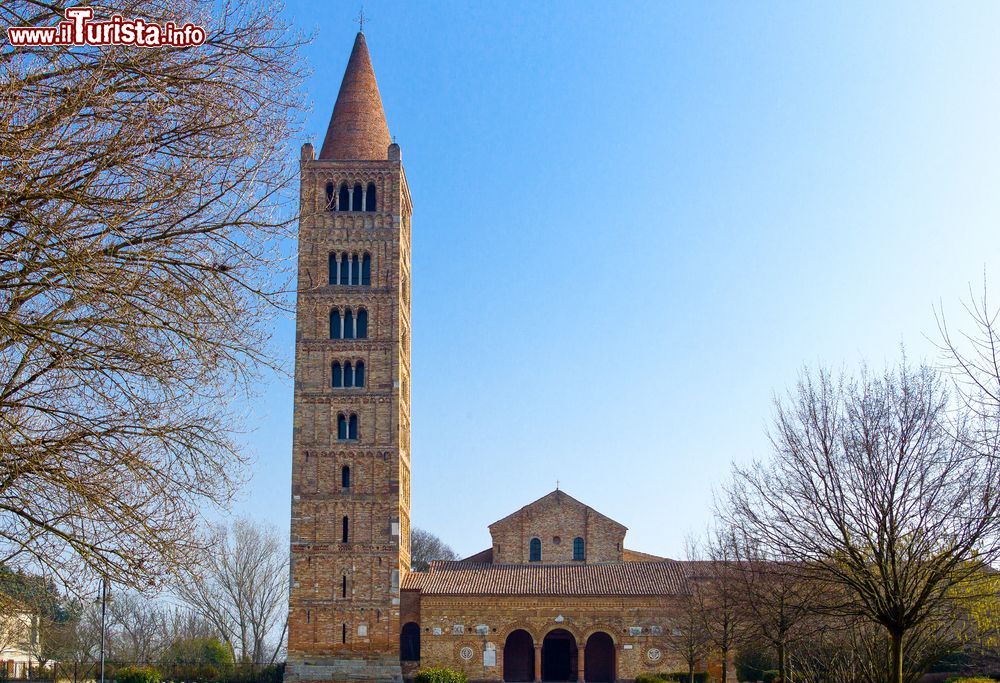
557,597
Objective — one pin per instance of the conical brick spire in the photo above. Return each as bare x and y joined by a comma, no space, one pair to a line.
357,128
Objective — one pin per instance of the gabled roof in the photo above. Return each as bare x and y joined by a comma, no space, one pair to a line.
636,556
618,578
482,557
357,128
563,498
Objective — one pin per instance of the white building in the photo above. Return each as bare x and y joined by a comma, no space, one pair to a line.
18,640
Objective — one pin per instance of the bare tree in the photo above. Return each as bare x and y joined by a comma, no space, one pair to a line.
830,656
142,201
872,488
972,359
688,636
776,603
716,588
138,627
184,624
241,588
426,547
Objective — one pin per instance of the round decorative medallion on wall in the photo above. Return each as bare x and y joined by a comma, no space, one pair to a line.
556,540
653,654
466,653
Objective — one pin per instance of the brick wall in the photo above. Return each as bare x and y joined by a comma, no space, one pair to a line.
556,520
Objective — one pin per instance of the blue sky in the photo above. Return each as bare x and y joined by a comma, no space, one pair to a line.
633,224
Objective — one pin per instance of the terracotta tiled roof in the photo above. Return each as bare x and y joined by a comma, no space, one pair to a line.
636,556
357,128
482,557
619,578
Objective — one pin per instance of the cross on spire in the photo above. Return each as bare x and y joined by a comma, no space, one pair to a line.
361,19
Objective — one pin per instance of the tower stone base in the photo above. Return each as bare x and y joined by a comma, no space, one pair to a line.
340,670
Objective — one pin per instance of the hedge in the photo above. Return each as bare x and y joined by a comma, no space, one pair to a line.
440,674
137,674
672,677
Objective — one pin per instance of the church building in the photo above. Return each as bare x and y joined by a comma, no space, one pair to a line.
557,597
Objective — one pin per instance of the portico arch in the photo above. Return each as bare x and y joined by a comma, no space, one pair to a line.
559,656
599,658
519,656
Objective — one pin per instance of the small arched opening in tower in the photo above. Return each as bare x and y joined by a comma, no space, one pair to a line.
344,198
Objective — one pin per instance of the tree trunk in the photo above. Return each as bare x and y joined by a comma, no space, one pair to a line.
725,665
896,638
781,662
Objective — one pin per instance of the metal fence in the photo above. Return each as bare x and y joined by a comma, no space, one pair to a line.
175,672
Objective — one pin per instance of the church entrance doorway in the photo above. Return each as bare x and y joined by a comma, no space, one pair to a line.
559,656
599,659
519,657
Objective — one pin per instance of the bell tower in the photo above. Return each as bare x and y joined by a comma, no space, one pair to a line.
350,526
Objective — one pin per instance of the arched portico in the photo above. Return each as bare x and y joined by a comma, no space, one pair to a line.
559,656
519,657
599,658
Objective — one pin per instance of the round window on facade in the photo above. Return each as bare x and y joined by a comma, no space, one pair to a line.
556,540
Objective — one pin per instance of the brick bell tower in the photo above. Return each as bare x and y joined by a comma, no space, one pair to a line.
350,528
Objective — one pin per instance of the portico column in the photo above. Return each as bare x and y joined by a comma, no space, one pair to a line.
581,664
538,662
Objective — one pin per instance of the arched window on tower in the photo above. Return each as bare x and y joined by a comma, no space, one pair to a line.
330,198
348,375
343,198
355,271
335,326
352,427
343,586
366,270
535,550
345,530
359,374
362,324
345,265
345,477
356,199
578,549
341,427
348,324
370,197
337,376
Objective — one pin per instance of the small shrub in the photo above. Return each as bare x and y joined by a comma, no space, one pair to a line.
440,674
650,678
672,677
137,674
970,679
